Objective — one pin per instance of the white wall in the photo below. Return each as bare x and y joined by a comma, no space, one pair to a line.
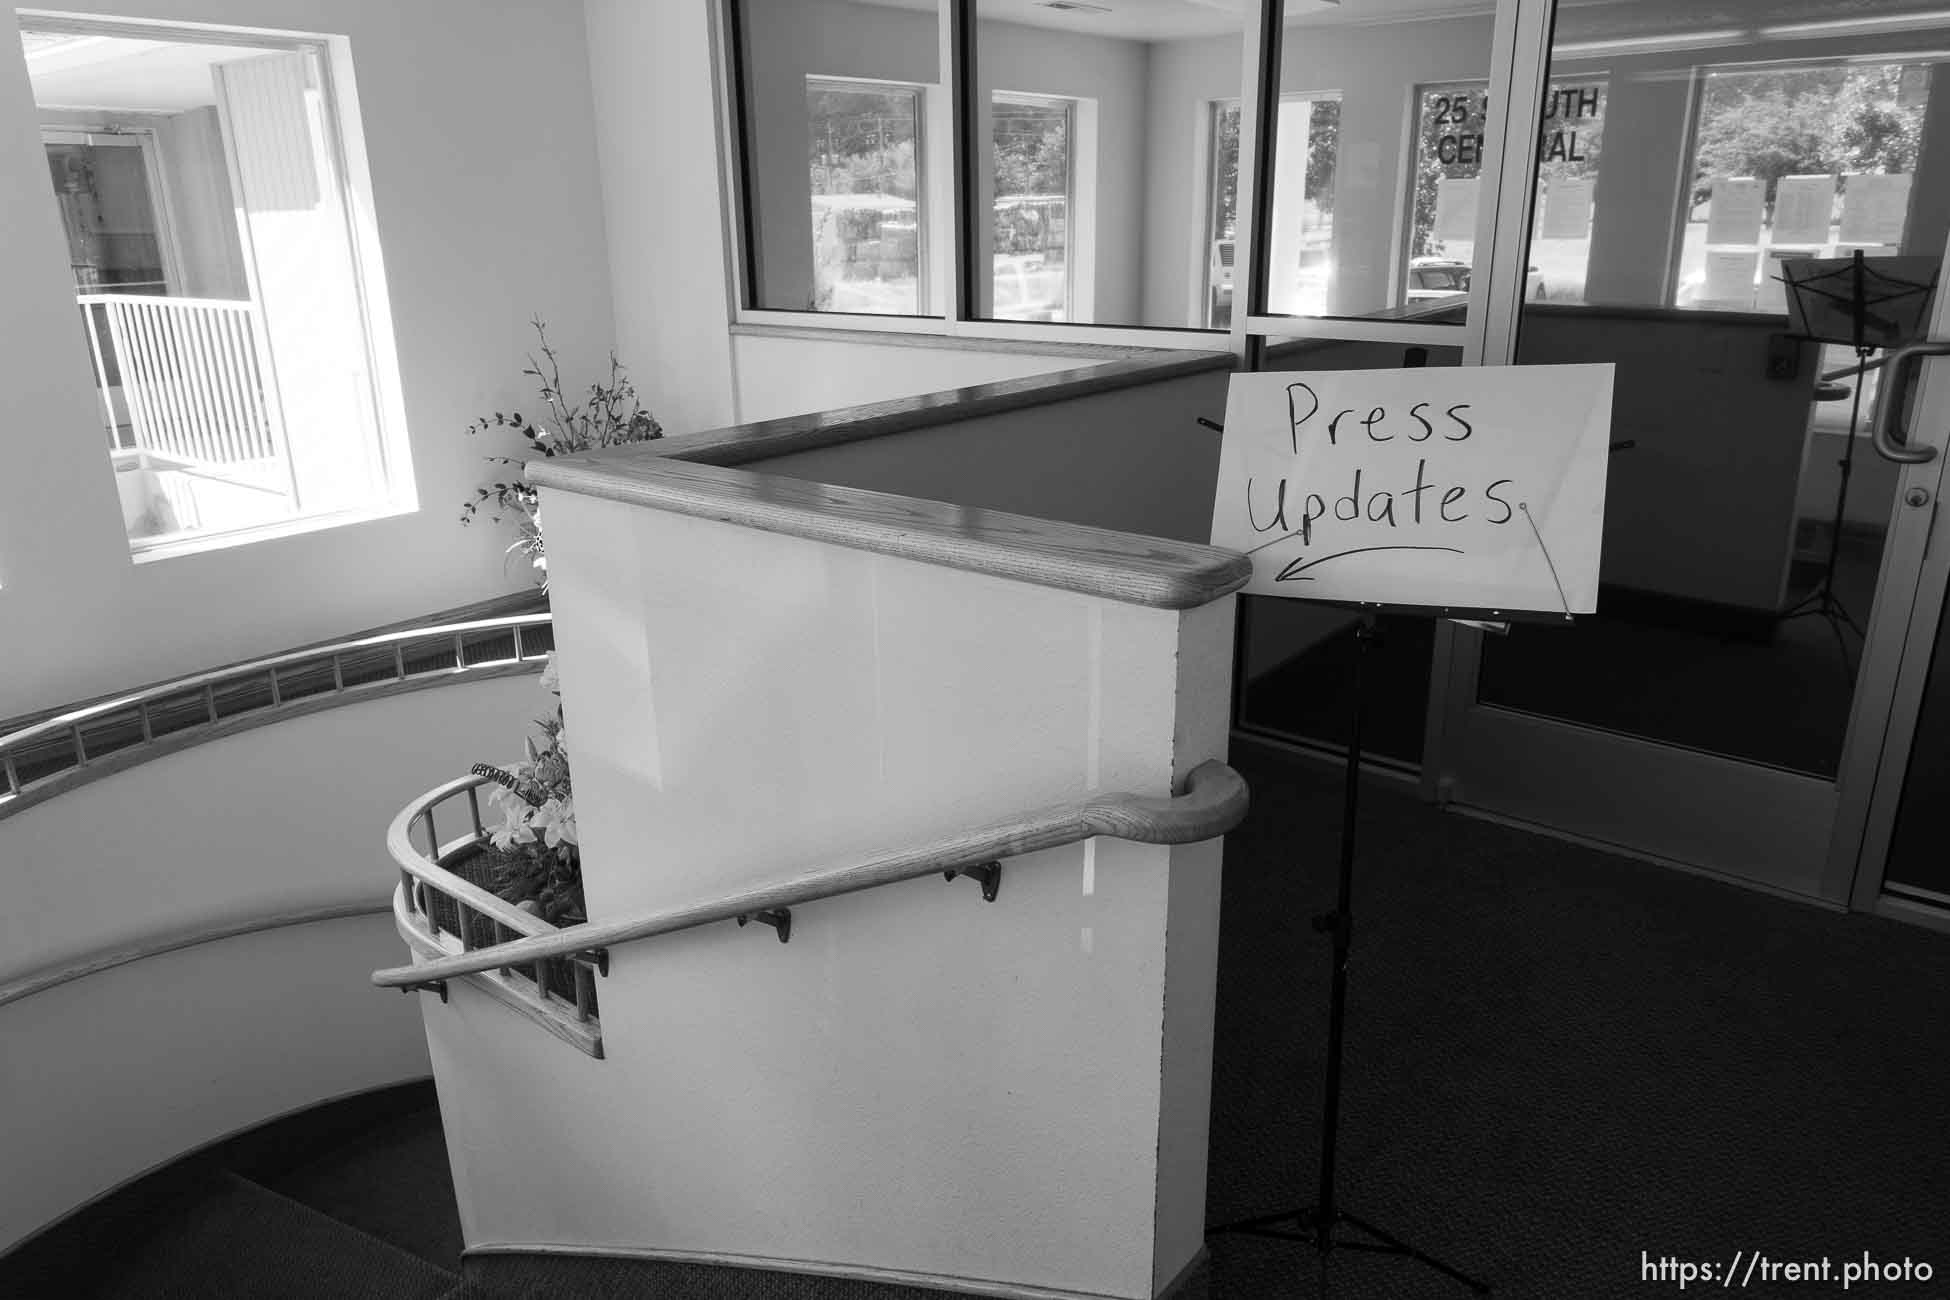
114,1075
111,1074
278,818
650,70
483,190
205,208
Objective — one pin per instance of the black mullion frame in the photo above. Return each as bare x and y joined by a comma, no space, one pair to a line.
961,27
1272,35
747,224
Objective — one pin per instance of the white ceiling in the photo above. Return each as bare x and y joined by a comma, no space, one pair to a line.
1161,20
119,73
1140,20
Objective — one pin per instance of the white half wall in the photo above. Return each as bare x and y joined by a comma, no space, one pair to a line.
920,1085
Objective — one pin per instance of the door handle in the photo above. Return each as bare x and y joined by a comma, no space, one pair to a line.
1889,398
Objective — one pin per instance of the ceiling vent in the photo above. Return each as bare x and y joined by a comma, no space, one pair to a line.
1072,6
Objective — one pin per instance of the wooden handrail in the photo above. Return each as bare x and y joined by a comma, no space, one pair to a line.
1131,568
740,444
1213,803
74,968
399,842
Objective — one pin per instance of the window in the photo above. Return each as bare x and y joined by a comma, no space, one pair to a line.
217,278
1357,171
1800,161
1060,179
868,220
1452,132
1302,233
1221,215
1451,124
1034,168
1568,145
1301,237
836,114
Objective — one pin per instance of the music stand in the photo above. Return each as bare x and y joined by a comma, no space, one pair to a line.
1320,1224
1864,304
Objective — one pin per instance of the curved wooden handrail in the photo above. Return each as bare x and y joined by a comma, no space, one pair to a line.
17,795
1213,803
94,963
432,870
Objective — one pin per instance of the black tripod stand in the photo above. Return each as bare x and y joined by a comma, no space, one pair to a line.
1323,1222
1867,306
1822,602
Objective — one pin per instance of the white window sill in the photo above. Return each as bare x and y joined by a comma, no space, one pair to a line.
173,546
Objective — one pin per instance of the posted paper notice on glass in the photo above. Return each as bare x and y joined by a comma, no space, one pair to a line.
1477,488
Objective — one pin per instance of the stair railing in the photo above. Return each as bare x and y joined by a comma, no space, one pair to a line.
439,913
1213,803
77,745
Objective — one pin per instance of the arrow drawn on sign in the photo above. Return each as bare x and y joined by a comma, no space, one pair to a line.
1291,573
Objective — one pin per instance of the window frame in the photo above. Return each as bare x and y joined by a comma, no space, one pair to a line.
1695,110
1403,270
1311,98
1519,54
1212,114
926,289
396,492
1076,245
957,306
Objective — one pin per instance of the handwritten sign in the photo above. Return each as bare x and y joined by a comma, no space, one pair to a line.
1475,488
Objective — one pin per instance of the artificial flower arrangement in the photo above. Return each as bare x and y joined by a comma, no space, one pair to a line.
539,860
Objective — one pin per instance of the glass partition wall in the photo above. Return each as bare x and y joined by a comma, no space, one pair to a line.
1335,185
1726,706
984,167
1369,222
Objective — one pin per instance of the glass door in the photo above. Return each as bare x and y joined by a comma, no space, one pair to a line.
108,190
1725,708
1915,869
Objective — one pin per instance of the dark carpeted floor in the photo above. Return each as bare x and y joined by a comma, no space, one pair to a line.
1557,1060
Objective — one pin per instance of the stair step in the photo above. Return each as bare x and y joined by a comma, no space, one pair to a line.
393,1183
242,1241
516,1276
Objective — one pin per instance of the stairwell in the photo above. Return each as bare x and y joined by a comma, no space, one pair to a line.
348,1200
